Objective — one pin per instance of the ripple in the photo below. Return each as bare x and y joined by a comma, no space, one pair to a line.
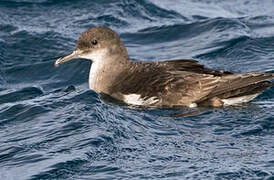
54,127
19,114
23,94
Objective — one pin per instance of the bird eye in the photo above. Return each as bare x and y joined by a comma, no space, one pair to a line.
94,42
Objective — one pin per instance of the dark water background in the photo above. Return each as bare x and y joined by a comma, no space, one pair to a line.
51,130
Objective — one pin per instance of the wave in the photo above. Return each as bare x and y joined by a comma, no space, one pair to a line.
53,126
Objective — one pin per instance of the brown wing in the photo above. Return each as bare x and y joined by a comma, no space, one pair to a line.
190,65
188,87
183,82
170,83
238,84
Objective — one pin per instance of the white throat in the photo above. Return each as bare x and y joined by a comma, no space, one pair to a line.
98,65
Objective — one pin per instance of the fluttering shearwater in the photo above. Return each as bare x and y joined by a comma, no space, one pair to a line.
160,84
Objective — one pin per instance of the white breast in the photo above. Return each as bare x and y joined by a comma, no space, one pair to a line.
98,59
93,77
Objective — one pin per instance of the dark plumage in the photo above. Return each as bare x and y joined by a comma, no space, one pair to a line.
183,82
163,84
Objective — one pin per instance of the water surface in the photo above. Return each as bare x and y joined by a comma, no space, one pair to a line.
53,127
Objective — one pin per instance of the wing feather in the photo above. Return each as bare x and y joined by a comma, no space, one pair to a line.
180,82
238,81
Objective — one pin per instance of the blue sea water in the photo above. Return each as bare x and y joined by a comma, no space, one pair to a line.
53,127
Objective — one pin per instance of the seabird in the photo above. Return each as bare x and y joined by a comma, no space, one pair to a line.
160,84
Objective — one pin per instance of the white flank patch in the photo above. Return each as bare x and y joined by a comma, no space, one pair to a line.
136,99
238,100
193,105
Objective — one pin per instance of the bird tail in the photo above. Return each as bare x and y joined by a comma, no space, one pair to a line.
240,88
245,94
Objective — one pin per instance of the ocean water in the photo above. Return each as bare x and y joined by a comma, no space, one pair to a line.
53,127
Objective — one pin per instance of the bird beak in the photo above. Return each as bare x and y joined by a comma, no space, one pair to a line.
73,55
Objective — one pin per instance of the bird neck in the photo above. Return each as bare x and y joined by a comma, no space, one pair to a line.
104,71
